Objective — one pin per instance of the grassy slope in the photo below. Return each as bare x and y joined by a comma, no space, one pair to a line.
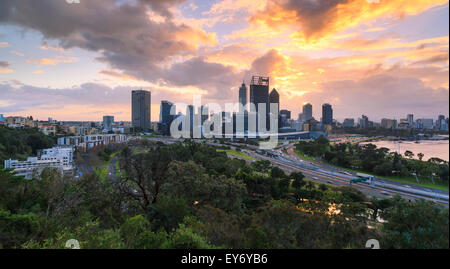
238,154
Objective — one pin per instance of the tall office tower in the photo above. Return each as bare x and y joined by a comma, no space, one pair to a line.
140,109
259,94
327,114
243,96
274,98
307,112
190,116
203,111
440,122
108,121
410,119
164,115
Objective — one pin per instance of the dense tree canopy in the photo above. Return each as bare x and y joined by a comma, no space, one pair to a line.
174,196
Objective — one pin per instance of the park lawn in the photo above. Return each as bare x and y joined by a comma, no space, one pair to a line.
238,154
303,156
117,168
101,173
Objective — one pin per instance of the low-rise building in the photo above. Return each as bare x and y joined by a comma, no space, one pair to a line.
388,124
60,158
90,141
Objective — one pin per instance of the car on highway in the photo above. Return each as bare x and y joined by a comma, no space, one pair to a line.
384,193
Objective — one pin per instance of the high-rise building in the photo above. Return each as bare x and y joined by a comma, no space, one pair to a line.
307,112
164,115
440,122
274,98
190,116
203,111
327,114
141,112
108,122
364,122
410,119
243,96
259,94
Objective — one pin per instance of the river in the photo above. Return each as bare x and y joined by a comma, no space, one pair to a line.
430,148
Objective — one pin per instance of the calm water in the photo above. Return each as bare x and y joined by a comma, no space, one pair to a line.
429,148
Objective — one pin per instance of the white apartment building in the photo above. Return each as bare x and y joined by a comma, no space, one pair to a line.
58,157
90,141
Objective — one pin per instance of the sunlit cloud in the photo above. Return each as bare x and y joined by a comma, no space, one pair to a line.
52,61
17,53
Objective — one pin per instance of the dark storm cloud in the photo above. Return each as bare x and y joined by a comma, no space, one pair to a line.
314,14
123,34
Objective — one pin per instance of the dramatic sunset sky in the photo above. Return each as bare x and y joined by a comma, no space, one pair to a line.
384,58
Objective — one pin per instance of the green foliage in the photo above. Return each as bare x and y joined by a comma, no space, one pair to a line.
20,143
370,159
173,196
15,229
415,225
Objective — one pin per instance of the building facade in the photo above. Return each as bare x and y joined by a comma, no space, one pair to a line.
327,114
307,112
60,158
141,109
108,122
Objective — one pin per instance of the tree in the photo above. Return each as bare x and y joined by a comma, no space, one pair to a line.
16,229
190,182
418,224
420,156
186,238
276,172
409,154
298,182
145,174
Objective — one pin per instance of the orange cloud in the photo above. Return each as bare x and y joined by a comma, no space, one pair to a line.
6,71
314,20
54,61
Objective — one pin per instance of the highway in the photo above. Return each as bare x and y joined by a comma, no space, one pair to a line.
290,162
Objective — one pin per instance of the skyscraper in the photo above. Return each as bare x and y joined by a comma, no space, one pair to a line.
307,112
140,109
274,98
164,115
410,119
243,96
327,114
259,94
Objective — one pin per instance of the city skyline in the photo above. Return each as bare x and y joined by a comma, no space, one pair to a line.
375,61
